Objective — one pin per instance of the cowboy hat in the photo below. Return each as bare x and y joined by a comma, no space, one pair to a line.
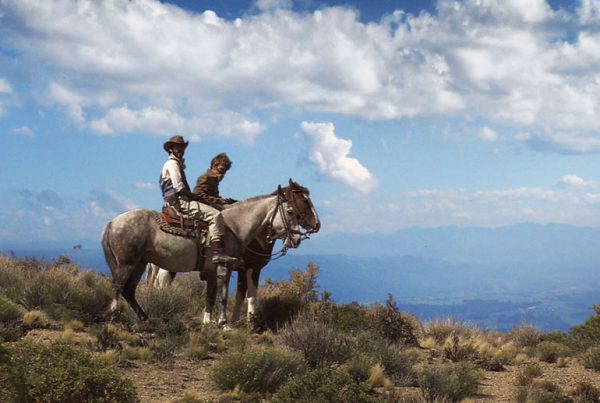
175,140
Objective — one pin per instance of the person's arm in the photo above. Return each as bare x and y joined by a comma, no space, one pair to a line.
208,191
174,171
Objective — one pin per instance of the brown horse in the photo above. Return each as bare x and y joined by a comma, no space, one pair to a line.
257,254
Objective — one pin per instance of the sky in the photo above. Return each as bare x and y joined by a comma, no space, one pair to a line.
395,114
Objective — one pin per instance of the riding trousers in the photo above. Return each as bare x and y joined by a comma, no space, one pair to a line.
204,212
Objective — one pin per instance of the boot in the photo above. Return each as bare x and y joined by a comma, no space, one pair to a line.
218,257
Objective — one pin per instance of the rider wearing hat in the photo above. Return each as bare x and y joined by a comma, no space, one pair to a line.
176,192
207,185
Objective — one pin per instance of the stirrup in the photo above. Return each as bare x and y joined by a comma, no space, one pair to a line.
220,258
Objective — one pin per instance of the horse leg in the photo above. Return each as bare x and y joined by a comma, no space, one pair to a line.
164,278
253,277
223,275
129,290
211,294
240,294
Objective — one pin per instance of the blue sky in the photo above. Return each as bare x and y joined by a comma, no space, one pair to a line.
395,114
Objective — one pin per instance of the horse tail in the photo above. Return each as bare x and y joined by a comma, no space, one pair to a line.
109,255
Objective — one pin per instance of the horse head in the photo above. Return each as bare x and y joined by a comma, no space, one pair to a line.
284,222
299,198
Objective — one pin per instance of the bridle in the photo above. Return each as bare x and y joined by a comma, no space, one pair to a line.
282,198
291,196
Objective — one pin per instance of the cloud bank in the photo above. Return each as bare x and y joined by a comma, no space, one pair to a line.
151,67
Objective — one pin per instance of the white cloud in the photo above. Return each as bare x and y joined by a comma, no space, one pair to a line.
487,134
145,185
330,154
266,5
506,62
5,86
164,122
574,181
23,131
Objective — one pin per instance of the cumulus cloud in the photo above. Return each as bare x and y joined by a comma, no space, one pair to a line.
507,62
164,121
330,154
574,181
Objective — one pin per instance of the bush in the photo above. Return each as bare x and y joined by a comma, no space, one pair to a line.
61,373
525,336
550,351
323,385
35,320
350,318
260,370
440,330
528,373
272,313
588,333
395,326
457,350
452,382
60,289
10,316
398,363
541,392
320,344
591,358
164,303
586,393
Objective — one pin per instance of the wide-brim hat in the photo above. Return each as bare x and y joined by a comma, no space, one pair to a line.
175,140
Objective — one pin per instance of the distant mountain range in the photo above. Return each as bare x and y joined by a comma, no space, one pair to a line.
545,275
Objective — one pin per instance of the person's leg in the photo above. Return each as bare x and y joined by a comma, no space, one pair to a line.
216,228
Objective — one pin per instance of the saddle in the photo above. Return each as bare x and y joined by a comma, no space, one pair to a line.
174,223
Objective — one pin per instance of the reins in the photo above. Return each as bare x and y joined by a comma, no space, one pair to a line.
281,199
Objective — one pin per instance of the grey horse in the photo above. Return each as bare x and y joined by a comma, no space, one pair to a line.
134,239
257,254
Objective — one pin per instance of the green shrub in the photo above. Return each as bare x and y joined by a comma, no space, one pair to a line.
395,326
359,367
10,317
525,336
274,312
64,292
9,311
323,385
457,350
440,330
591,358
350,318
452,382
550,351
166,303
588,333
60,373
541,392
259,370
586,393
528,373
320,344
397,362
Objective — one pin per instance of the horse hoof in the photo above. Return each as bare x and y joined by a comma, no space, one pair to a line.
226,327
